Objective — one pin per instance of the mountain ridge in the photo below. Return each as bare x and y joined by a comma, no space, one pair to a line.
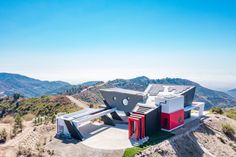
210,97
232,92
26,86
29,87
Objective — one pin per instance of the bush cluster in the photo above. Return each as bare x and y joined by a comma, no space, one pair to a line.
228,130
217,110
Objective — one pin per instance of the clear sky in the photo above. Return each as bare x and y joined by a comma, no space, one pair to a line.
85,40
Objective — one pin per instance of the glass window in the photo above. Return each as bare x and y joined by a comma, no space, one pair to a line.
125,102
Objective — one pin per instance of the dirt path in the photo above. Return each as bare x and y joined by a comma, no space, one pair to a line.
78,102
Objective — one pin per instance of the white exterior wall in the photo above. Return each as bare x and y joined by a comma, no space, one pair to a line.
61,127
171,105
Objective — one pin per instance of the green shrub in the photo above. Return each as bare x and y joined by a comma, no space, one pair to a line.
40,106
18,121
28,117
3,135
153,140
130,152
216,110
231,113
228,130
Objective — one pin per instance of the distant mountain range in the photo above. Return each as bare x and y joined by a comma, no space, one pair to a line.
210,97
29,87
232,92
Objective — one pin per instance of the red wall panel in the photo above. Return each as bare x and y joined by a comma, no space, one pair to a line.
165,121
176,119
172,120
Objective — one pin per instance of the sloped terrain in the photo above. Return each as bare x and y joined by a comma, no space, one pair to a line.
210,97
29,141
232,92
92,94
44,106
207,140
29,87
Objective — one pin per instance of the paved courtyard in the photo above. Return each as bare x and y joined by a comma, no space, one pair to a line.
106,137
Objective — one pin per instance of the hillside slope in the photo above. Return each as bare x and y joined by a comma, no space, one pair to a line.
44,106
232,92
206,140
210,97
28,87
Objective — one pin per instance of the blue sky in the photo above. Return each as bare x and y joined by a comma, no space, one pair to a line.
80,40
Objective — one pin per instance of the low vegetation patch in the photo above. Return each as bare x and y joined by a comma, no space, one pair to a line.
41,106
153,140
28,117
228,130
3,136
46,106
216,110
18,126
231,113
8,119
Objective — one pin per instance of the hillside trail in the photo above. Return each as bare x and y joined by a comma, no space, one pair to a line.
28,128
78,102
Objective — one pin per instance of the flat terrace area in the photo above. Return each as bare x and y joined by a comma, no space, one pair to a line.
100,136
100,141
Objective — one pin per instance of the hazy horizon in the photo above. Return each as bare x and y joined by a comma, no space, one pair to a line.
77,41
79,81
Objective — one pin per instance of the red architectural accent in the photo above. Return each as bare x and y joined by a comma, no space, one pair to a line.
172,120
142,123
143,126
138,121
137,129
131,122
129,128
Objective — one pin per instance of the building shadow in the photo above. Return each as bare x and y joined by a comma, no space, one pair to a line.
66,140
91,129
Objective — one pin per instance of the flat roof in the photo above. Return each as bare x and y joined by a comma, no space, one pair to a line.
121,90
168,97
156,89
79,114
93,115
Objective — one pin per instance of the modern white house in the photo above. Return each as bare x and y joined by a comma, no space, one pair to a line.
159,107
